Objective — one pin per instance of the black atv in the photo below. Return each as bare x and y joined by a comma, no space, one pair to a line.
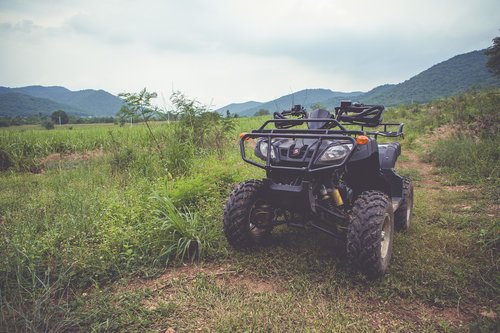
325,171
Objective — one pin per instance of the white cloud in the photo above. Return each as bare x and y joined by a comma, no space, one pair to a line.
224,51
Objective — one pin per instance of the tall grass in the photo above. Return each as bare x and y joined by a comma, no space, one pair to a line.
471,150
469,159
189,235
85,221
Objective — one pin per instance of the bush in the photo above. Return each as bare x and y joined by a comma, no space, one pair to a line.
48,124
203,128
180,151
121,159
5,160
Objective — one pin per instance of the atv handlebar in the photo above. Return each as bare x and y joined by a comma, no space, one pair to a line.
296,111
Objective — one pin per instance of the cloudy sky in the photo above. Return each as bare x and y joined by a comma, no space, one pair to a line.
223,51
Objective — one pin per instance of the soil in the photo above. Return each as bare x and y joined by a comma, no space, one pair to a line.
67,157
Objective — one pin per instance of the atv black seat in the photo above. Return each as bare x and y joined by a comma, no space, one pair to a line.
318,114
388,154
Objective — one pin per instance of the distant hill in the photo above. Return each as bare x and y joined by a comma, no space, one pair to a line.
21,105
238,107
306,97
32,100
447,78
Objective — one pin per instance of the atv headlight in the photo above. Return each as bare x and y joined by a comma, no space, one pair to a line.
263,146
335,153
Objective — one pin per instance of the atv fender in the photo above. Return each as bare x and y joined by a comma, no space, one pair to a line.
388,153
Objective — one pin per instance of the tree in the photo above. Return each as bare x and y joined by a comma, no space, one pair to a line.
317,106
59,117
228,114
493,53
139,105
262,112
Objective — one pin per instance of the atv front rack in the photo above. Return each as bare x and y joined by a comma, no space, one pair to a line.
342,134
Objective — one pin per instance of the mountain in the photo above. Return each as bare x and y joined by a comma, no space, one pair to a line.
447,78
32,100
306,97
238,107
21,105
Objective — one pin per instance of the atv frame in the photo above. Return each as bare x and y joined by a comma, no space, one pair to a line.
337,197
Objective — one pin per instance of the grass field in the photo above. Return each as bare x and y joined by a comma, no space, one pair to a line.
96,230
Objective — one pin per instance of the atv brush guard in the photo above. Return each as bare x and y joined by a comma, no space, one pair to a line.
319,135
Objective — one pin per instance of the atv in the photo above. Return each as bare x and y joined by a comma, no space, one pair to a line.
325,171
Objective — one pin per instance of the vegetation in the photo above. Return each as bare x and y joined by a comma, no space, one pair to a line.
469,151
262,112
59,117
48,124
493,53
98,232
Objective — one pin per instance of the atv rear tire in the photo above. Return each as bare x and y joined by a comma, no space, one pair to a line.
402,216
370,233
247,218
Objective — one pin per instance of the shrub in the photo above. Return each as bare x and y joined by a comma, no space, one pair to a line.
121,159
5,160
180,151
203,128
48,124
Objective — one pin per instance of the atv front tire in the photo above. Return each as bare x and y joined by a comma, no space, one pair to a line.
402,216
247,217
370,233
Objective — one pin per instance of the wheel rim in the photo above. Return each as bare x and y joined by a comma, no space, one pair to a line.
258,219
409,208
385,236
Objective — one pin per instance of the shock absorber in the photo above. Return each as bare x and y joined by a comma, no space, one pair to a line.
337,197
331,196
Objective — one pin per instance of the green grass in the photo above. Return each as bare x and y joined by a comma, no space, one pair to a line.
105,242
469,160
